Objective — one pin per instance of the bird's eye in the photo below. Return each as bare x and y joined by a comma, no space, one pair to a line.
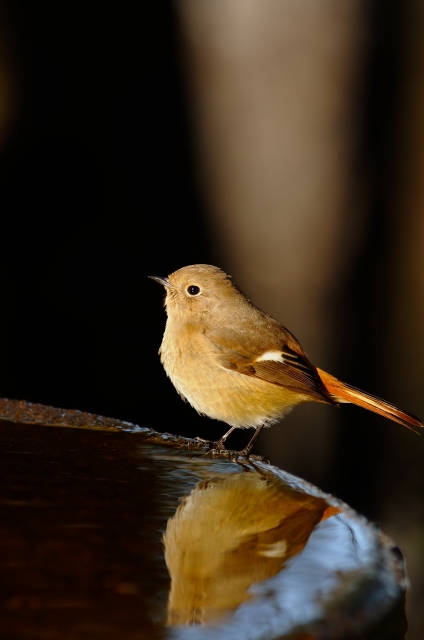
193,290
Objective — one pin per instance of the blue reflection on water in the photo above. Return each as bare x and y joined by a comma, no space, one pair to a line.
297,595
340,555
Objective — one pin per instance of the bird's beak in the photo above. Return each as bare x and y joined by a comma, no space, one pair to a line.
161,280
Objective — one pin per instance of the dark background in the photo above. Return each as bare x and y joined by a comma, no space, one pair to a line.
98,191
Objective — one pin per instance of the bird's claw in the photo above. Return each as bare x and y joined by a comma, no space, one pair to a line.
208,443
217,449
212,445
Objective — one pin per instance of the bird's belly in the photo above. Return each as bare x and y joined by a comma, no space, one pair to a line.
237,399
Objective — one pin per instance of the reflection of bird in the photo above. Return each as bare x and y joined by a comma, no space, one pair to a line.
232,532
234,363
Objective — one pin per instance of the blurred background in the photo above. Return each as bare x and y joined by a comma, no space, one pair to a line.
282,141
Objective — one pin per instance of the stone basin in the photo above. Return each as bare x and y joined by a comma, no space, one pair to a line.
113,531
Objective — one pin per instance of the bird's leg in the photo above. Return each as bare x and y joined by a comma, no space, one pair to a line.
217,445
220,444
248,448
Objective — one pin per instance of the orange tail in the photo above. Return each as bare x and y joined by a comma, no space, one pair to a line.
342,392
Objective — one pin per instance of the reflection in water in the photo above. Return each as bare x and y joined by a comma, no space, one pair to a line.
83,511
232,532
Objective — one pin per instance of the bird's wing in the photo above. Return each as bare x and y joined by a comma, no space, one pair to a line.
284,364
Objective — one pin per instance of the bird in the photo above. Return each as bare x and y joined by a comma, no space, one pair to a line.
233,362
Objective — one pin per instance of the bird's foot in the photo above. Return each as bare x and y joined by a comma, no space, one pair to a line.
246,455
217,449
219,445
207,443
212,445
236,456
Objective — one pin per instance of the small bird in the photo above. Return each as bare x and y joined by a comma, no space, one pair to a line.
233,362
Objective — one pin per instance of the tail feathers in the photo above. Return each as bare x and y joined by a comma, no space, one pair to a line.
342,392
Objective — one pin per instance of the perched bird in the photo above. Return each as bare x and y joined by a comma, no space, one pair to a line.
234,363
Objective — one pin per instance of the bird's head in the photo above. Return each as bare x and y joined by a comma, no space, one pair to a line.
199,289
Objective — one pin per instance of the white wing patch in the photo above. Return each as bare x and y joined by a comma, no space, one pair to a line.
272,354
274,550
